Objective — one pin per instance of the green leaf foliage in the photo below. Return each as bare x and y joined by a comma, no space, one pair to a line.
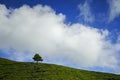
37,57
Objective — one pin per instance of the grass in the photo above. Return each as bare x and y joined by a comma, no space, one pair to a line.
12,70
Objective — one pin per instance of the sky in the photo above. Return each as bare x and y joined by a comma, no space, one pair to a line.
83,34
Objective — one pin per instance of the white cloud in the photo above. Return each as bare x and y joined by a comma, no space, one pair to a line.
40,29
85,12
114,9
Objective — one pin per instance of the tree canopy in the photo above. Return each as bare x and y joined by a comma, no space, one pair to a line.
37,57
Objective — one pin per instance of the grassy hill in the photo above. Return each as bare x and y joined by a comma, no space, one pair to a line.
12,70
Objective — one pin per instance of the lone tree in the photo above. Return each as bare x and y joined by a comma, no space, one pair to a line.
37,58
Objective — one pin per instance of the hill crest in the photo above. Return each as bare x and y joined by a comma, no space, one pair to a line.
12,70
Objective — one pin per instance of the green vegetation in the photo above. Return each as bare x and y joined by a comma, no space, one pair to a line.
11,70
37,58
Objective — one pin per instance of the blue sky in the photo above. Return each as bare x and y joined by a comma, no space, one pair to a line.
83,34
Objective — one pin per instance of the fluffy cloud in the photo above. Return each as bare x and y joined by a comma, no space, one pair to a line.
114,9
85,12
26,30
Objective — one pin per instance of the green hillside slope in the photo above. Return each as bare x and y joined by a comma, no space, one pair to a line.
11,70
